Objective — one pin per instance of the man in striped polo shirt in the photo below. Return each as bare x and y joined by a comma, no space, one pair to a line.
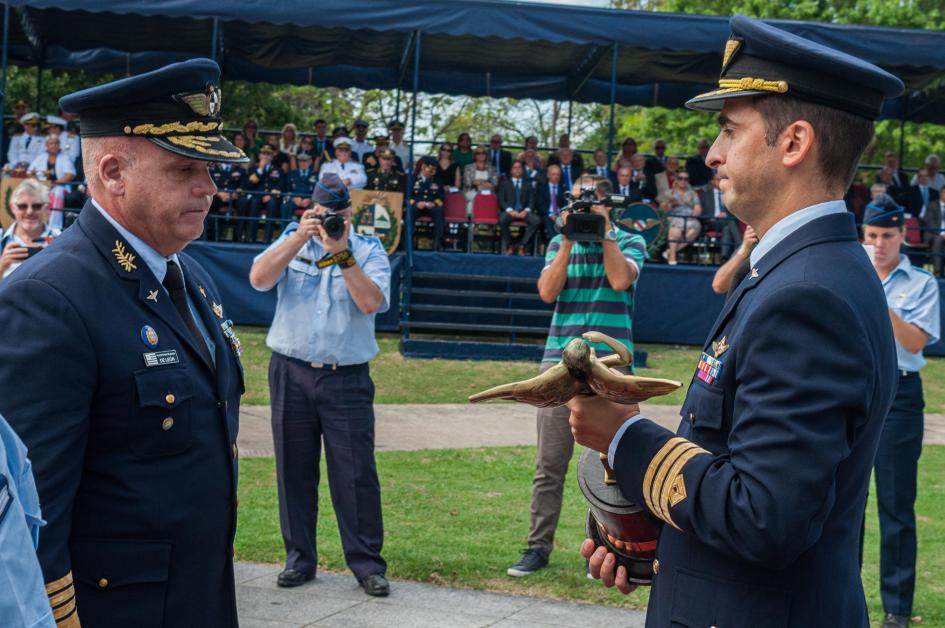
592,287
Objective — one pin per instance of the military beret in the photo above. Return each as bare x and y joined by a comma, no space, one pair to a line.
760,60
176,107
342,141
303,156
29,118
331,192
386,153
429,161
883,211
395,124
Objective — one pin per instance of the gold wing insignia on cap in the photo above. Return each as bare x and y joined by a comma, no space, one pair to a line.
203,103
731,47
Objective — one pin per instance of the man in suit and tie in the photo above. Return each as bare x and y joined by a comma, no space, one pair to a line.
715,217
500,159
600,167
549,199
517,199
920,195
898,182
635,181
574,158
322,144
933,231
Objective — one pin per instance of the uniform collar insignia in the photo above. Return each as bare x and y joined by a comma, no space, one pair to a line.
754,273
719,347
152,295
202,291
218,310
125,259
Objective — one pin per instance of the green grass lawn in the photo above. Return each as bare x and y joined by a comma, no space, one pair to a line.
460,518
399,380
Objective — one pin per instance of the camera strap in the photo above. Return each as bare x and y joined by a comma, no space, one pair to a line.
343,258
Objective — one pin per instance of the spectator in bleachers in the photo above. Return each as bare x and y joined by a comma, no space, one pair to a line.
549,200
600,167
500,159
936,178
253,141
699,173
682,206
28,145
532,164
361,146
463,153
657,162
876,189
280,160
531,144
29,231
672,170
68,142
13,126
349,171
324,151
385,176
897,183
396,128
288,142
380,143
517,202
576,161
856,198
478,177
305,146
339,131
58,169
715,217
627,150
269,183
642,184
239,141
933,231
228,178
427,198
447,171
570,172
301,183
920,194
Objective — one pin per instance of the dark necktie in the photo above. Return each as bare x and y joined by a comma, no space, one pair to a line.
518,195
625,190
925,194
495,157
174,282
567,176
554,199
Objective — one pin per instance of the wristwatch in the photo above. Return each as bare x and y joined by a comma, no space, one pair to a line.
611,235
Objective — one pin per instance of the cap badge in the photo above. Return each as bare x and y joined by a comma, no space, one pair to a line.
125,259
731,47
204,103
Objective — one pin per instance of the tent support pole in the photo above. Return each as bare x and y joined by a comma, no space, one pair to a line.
397,105
570,107
408,212
3,79
216,38
39,87
613,102
902,138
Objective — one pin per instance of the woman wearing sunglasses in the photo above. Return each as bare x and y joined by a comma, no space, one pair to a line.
681,204
29,234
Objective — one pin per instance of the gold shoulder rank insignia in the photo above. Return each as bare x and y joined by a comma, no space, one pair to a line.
677,490
720,346
152,295
218,310
126,259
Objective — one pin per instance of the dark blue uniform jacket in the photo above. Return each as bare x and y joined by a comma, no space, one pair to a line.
763,487
135,465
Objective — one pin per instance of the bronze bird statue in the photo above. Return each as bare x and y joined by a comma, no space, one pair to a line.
581,372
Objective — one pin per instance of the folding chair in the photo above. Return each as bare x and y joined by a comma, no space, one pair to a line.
485,214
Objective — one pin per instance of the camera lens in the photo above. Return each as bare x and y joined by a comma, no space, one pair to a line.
334,225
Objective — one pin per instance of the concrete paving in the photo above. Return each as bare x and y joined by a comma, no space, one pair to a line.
337,600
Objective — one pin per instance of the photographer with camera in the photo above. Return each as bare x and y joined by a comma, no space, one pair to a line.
330,284
590,272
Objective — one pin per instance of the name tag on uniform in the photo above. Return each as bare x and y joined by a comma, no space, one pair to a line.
709,368
160,358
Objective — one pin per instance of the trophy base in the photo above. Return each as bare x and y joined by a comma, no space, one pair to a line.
639,570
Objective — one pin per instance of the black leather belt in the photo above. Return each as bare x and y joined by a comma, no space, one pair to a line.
904,373
325,366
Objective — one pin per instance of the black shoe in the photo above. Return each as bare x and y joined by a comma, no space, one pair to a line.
532,560
896,621
376,585
293,578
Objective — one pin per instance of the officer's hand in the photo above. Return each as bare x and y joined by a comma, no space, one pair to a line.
308,225
595,420
335,246
602,563
13,253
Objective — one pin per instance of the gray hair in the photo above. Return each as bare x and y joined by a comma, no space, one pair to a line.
32,188
95,148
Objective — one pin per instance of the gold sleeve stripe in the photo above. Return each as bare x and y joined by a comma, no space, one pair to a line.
69,621
55,599
674,471
65,609
655,488
664,451
58,585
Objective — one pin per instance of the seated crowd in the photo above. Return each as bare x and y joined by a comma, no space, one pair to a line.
527,188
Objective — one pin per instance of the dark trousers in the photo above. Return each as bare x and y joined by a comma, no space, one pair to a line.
897,461
731,237
438,223
937,243
257,208
532,222
308,405
548,226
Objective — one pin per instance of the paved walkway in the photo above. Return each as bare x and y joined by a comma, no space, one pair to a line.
459,426
337,600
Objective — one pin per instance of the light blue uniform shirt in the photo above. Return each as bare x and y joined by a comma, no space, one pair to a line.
316,319
780,230
23,600
158,265
912,294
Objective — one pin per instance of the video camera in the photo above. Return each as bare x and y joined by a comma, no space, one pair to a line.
584,226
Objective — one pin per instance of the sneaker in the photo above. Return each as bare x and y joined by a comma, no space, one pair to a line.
532,560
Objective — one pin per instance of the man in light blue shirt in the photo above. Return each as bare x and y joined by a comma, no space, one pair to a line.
23,601
912,295
322,337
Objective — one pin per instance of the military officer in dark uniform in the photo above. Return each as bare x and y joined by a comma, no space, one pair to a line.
385,177
134,444
763,486
427,198
371,160
268,182
229,180
913,299
302,183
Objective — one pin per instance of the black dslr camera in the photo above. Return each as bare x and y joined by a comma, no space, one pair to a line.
583,225
333,223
